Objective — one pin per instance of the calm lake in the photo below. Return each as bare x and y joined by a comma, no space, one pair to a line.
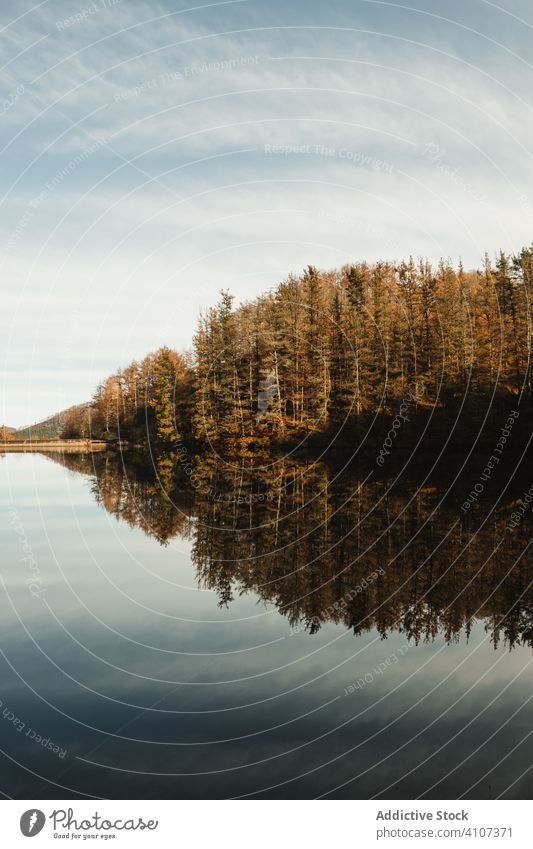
289,631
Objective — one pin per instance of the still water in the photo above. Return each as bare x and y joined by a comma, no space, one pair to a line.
289,631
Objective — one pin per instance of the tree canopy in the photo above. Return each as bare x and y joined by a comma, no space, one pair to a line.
328,349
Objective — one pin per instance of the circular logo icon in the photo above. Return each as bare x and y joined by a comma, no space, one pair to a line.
32,822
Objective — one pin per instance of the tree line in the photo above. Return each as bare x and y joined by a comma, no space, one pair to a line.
327,349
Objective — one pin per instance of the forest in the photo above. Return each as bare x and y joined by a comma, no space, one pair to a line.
324,353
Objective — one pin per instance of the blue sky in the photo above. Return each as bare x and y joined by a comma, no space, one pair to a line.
153,153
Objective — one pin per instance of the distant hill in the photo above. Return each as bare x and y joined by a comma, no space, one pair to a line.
49,428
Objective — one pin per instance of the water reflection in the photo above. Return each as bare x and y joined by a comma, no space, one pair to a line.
335,545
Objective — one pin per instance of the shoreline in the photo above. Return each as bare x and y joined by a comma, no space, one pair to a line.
77,446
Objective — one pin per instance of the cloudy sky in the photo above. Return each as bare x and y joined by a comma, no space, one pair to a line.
154,153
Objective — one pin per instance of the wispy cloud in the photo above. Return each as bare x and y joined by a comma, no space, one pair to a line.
153,155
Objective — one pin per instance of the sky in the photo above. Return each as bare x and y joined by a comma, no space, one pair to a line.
154,153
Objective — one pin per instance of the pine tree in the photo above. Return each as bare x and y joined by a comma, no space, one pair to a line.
354,282
166,370
505,291
523,271
315,387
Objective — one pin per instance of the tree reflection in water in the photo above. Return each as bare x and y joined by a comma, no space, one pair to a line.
328,546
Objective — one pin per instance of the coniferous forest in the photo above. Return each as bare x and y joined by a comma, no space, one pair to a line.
327,352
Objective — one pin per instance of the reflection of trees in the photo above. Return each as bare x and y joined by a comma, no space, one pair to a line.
323,549
142,494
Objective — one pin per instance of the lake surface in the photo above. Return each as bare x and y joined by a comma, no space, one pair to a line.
186,628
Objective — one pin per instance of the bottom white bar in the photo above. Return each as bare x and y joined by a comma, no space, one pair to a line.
265,824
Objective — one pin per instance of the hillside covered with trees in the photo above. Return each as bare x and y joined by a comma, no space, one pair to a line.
54,426
326,352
